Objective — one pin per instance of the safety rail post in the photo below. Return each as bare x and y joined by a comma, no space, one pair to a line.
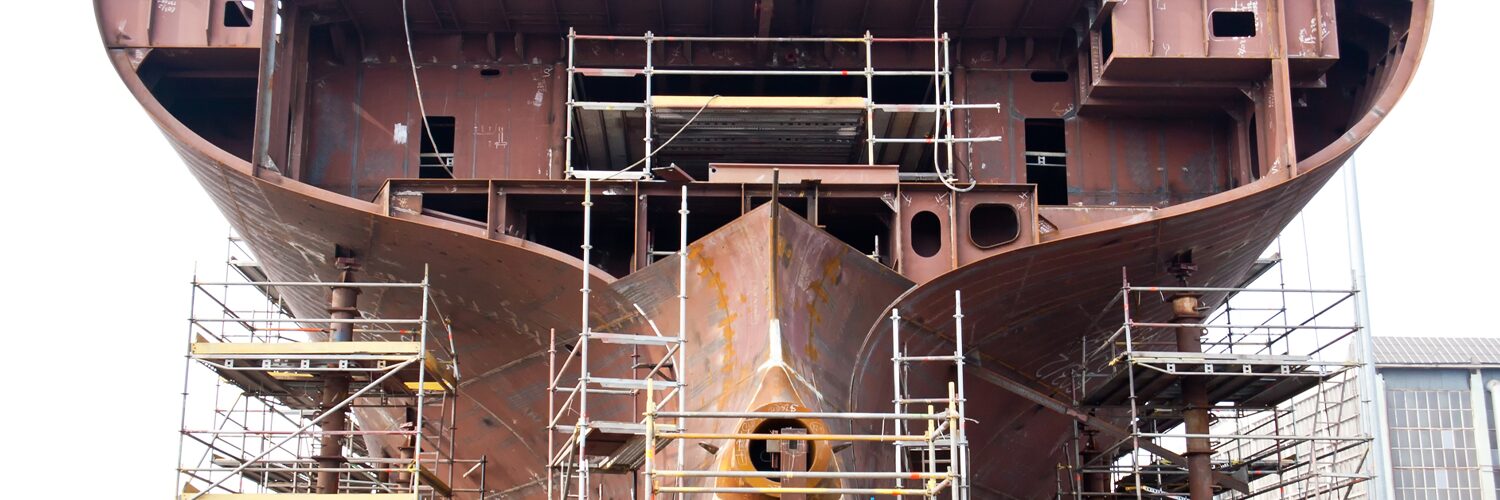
937,95
931,440
955,470
421,390
947,101
962,460
680,364
650,418
582,428
187,371
899,426
570,104
650,103
551,405
870,101
1135,429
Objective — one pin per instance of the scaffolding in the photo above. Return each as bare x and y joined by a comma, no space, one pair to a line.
938,454
930,462
1259,405
902,399
620,446
941,135
285,388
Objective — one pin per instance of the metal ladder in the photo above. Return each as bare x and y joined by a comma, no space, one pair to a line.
902,400
571,463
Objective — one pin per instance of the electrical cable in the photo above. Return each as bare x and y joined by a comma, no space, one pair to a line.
668,141
947,182
421,107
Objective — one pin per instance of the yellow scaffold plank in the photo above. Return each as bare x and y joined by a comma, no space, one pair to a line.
306,348
757,102
302,496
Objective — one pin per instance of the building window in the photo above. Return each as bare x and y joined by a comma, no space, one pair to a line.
1432,444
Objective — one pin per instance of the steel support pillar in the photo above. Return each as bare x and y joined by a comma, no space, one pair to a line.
343,303
1194,398
1092,484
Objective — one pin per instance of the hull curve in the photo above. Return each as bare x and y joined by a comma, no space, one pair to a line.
1027,308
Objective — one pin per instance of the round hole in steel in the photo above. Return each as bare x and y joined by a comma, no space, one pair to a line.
926,234
993,224
766,460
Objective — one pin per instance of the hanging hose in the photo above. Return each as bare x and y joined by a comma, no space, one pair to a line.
416,83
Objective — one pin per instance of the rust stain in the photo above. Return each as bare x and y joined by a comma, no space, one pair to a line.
711,276
832,275
721,298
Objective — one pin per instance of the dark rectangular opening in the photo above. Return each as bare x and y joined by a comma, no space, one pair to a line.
1047,160
211,91
237,14
436,160
1254,145
1049,76
474,207
797,205
1233,23
917,459
663,223
1106,39
862,223
556,221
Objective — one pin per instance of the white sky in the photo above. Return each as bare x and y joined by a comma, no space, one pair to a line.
105,225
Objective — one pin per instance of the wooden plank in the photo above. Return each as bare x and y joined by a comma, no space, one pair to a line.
300,348
301,496
756,173
432,480
757,102
438,370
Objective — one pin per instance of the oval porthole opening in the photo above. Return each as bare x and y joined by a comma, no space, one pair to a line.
926,234
489,72
993,224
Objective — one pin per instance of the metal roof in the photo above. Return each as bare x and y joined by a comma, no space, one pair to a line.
1437,351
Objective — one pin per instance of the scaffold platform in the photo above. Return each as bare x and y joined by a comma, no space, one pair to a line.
346,406
1245,380
295,373
1243,397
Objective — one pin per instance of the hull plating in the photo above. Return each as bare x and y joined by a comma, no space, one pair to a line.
763,297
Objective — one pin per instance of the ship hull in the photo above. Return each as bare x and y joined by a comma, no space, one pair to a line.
1027,311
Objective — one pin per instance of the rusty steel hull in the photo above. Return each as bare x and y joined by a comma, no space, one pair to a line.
778,310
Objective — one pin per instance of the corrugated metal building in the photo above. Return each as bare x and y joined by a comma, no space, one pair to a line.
1438,400
1438,407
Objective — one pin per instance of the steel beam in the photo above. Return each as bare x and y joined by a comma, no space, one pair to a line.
1102,426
